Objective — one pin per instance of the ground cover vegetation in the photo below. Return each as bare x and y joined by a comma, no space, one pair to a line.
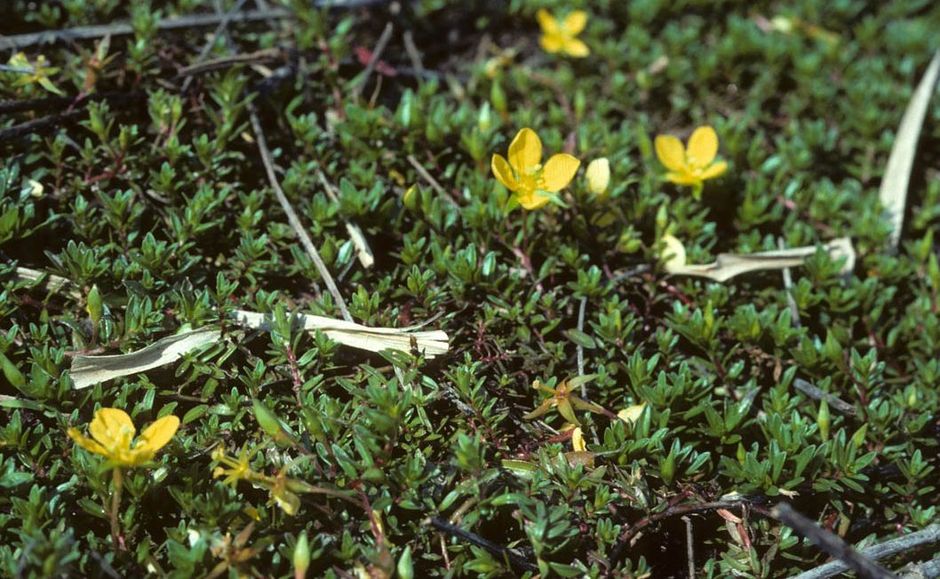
540,180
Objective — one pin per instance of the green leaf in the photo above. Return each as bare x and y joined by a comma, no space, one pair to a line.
581,339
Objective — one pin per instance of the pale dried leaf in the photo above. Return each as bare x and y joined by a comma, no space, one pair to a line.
53,283
90,370
897,176
363,252
729,265
431,342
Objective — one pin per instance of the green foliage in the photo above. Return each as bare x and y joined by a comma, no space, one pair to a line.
155,205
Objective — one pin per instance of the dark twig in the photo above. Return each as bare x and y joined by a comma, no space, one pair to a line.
295,223
689,547
831,544
38,125
21,41
62,103
926,536
214,64
73,108
616,554
516,560
207,47
815,393
373,60
413,54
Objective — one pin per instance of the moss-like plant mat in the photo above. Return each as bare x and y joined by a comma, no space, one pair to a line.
134,190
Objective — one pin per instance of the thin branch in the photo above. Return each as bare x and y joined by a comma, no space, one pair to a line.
815,393
65,103
926,536
292,216
265,55
207,47
358,238
630,272
17,69
617,552
21,41
925,570
373,60
581,311
690,548
516,560
831,544
788,286
430,179
413,54
38,125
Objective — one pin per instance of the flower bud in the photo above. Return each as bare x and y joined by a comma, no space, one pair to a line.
598,176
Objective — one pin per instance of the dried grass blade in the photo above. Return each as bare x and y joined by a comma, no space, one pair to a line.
729,265
897,176
90,370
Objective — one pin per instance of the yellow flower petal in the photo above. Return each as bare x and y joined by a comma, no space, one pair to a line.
673,257
158,434
531,200
671,153
574,22
546,21
86,443
715,170
559,171
632,413
576,48
551,43
503,172
703,146
683,178
577,440
525,151
112,428
598,175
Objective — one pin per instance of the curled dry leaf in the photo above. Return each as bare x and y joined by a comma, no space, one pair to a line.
430,342
89,370
729,265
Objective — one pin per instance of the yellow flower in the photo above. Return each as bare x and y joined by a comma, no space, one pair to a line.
577,440
531,182
598,176
560,36
113,437
565,400
694,164
238,468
